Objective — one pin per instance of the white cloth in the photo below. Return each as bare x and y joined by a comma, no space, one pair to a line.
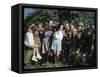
29,39
58,35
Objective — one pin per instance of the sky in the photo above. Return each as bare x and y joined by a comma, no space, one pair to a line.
27,11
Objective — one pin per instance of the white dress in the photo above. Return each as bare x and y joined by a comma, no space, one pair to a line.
57,41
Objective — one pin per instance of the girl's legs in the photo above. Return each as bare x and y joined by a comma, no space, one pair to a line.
34,55
58,53
55,55
58,48
38,54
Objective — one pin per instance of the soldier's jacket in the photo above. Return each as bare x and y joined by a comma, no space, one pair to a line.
67,40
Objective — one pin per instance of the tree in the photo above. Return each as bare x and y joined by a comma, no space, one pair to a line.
44,15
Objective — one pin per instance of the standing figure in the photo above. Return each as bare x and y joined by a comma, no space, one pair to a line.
57,42
37,43
46,43
67,44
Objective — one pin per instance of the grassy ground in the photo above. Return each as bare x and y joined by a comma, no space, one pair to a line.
47,65
38,65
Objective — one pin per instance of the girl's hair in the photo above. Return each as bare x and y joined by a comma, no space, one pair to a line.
36,30
58,26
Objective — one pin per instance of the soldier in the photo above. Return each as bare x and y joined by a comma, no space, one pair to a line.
67,42
46,43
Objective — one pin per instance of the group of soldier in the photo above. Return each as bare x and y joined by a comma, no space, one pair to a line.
67,43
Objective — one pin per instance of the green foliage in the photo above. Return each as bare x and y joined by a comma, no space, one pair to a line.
44,15
87,18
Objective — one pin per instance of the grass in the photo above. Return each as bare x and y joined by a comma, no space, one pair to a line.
47,65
